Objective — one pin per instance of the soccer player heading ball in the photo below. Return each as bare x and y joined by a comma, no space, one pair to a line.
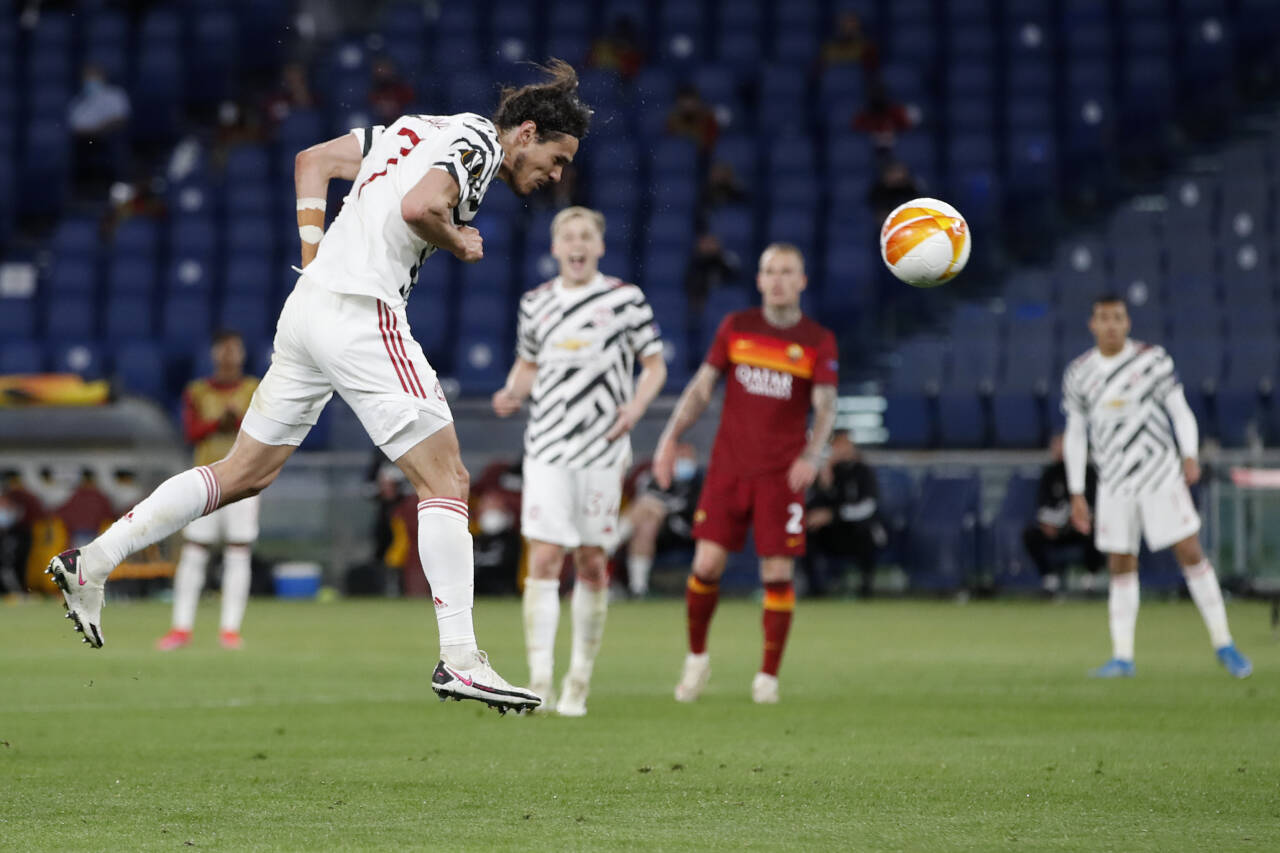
579,338
777,364
416,184
1120,399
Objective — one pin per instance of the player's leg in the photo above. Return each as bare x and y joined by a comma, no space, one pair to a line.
589,607
702,593
647,514
188,582
1169,516
237,568
541,610
81,573
1117,533
778,518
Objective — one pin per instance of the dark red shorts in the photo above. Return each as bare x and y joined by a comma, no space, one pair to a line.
730,504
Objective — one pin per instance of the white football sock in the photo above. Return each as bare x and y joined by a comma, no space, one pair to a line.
174,504
1122,606
1202,582
541,618
188,581
638,573
444,546
590,605
237,574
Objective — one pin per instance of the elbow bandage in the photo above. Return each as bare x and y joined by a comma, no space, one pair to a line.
310,233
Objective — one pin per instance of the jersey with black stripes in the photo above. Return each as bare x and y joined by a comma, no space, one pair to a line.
585,341
1122,400
369,249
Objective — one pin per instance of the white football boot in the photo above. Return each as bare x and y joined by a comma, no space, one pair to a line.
478,681
697,669
764,689
573,697
83,596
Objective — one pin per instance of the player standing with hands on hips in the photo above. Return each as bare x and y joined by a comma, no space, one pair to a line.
777,364
1121,398
416,184
579,338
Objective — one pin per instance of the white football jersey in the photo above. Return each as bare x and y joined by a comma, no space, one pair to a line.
1122,399
585,341
369,250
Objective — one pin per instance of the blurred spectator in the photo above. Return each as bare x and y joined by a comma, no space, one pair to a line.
560,194
504,479
292,93
894,185
236,126
722,187
1051,539
692,117
850,45
710,267
98,116
497,546
618,49
389,94
882,118
15,546
843,519
130,199
11,486
662,519
87,512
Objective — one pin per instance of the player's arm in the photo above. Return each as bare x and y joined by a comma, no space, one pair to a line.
1186,431
313,168
427,208
693,402
508,399
805,468
653,375
1075,455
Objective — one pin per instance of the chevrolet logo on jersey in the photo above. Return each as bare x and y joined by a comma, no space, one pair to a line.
572,344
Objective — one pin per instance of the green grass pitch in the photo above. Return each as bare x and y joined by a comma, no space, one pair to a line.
903,726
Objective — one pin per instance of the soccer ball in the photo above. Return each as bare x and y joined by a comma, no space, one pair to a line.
925,242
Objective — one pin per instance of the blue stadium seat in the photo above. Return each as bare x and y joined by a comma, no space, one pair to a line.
128,317
674,157
247,163
921,366
75,238
739,48
17,318
248,273
429,323
138,366
481,363
130,274
664,271
736,229
185,321
20,356
214,54
136,236
943,543
81,358
248,314
1016,418
907,419
253,236
74,276
194,238
1013,567
248,200
673,194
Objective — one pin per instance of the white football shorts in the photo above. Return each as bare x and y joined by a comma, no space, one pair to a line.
570,507
1164,517
235,524
358,346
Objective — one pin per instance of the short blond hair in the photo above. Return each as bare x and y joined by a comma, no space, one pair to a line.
791,248
595,217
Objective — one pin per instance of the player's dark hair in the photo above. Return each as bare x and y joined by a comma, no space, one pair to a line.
1109,299
553,105
223,335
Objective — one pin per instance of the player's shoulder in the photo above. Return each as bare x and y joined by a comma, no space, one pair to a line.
535,294
1081,362
622,287
1150,350
477,124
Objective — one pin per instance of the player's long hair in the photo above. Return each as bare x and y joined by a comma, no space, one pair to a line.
553,105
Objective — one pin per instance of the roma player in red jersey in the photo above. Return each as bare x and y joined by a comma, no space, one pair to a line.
777,365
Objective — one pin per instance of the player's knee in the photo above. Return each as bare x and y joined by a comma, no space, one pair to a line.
708,567
591,564
1188,552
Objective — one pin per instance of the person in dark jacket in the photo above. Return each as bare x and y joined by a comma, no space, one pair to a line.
843,519
1051,533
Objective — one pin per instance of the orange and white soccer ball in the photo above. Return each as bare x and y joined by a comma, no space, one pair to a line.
925,242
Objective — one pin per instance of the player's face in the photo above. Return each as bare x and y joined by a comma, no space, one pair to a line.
538,163
578,246
1109,325
781,278
228,357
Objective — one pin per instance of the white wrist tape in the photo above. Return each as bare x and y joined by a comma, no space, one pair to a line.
311,203
310,233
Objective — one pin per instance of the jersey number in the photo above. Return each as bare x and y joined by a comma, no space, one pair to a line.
391,161
795,524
